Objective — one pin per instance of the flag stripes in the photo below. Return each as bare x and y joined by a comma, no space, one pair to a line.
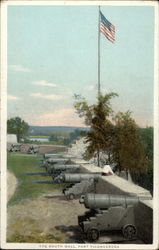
106,28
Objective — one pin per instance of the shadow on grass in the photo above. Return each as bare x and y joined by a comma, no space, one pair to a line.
74,233
18,165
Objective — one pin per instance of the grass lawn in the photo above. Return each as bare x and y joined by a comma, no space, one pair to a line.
37,136
18,165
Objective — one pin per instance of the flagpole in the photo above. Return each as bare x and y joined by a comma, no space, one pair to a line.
99,53
98,151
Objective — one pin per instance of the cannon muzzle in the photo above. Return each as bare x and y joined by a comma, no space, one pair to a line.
81,200
104,201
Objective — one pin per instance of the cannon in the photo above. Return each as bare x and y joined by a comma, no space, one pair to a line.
55,170
54,155
51,155
78,177
56,160
15,147
34,149
107,213
79,183
50,163
62,167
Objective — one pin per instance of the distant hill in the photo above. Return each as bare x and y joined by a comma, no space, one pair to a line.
47,130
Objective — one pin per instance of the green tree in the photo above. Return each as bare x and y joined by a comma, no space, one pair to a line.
147,140
128,149
17,126
97,116
145,179
53,137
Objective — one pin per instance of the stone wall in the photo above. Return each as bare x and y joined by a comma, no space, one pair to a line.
117,185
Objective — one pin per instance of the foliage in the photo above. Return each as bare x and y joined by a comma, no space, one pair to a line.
146,179
147,140
97,116
67,139
128,151
17,126
53,137
118,138
83,133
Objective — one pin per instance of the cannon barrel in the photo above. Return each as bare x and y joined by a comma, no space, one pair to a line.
77,177
71,178
56,155
54,160
52,155
104,201
63,167
47,156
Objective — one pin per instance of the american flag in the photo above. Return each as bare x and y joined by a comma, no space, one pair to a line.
107,28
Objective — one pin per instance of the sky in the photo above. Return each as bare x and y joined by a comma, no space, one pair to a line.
53,54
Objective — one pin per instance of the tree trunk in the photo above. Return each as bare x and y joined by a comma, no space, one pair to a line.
126,171
18,138
98,158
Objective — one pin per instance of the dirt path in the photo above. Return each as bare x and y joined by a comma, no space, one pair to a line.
11,184
57,216
42,216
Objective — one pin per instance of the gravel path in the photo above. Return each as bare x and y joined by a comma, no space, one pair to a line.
11,184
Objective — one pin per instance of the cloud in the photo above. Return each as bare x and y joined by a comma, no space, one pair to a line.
19,68
12,97
61,117
44,83
91,87
48,97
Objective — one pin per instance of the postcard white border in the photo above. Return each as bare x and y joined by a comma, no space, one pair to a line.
5,245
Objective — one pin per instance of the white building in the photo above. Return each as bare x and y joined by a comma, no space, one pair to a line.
11,138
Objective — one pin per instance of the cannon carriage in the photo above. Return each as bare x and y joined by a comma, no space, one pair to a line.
78,183
108,213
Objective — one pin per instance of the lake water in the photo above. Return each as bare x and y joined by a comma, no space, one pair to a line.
39,139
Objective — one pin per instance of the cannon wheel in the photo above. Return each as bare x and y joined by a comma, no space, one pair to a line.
92,234
129,232
71,196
